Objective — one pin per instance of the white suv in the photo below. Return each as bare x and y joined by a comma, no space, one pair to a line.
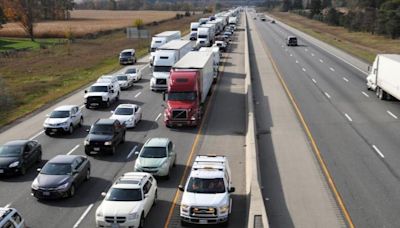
128,201
64,118
9,217
102,94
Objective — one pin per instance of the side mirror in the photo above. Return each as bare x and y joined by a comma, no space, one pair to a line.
85,91
180,187
112,112
103,194
87,130
232,189
47,115
38,170
136,152
75,172
146,195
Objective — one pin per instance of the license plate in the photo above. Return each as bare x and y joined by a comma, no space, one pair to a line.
53,130
46,193
94,104
203,221
180,125
115,225
96,149
1,171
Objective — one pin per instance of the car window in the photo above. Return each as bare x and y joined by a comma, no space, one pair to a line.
79,162
8,224
17,218
28,147
75,164
146,187
170,147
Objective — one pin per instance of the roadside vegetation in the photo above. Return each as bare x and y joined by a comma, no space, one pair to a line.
29,80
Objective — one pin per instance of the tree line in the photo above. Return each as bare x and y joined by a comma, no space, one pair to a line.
373,16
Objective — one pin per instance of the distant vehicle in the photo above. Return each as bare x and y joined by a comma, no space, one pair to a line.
263,19
19,155
206,196
291,41
63,119
205,36
160,39
104,136
134,72
157,157
228,33
127,56
127,114
190,82
383,77
128,201
255,18
232,20
203,20
124,81
193,30
222,45
272,21
11,218
102,94
60,177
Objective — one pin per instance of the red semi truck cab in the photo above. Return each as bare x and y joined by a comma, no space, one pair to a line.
183,99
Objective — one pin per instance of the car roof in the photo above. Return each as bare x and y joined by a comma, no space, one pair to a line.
289,37
103,83
128,50
64,158
131,180
126,106
207,173
17,142
157,142
64,108
105,121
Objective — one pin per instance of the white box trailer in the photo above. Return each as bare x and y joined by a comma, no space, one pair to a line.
216,57
161,39
384,76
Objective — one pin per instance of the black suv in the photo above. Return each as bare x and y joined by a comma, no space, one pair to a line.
104,136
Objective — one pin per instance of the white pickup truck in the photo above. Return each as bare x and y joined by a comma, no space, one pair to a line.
206,196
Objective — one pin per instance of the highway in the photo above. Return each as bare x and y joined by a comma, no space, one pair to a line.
222,132
357,134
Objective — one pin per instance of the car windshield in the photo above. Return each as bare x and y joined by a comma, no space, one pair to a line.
59,114
119,194
202,36
181,96
10,151
153,152
101,129
56,169
123,111
126,54
201,185
98,89
122,78
131,71
162,68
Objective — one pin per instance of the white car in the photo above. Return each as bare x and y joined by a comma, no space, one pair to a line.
9,217
127,114
63,119
124,81
134,72
128,201
102,94
221,44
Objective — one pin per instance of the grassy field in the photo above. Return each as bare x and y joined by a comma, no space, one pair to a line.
25,43
35,78
362,45
85,22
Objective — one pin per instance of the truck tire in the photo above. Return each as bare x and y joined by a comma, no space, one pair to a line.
381,94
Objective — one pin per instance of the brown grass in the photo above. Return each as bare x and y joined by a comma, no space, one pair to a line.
360,44
85,22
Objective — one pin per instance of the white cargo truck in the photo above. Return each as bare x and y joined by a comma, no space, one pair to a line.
206,196
232,20
164,58
193,30
384,76
216,58
203,37
160,39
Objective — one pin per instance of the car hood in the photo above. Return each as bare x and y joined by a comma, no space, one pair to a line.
161,74
96,94
118,208
121,118
5,161
95,137
51,181
55,120
201,199
150,162
132,75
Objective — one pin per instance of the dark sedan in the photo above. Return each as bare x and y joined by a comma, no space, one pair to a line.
60,177
17,156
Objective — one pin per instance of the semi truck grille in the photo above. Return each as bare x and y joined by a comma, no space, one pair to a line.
203,212
179,114
161,81
111,219
94,99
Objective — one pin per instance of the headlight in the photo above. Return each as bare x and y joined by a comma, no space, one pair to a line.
224,209
185,208
63,186
108,143
63,123
86,142
35,185
99,212
193,117
14,164
133,216
130,119
163,164
104,98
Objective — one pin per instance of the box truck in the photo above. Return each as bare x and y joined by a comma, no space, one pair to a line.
216,58
190,81
384,76
164,58
161,39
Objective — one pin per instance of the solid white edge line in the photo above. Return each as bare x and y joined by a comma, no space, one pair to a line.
321,60
132,151
327,94
304,69
347,80
330,68
83,215
348,117
314,81
365,94
378,151
138,94
73,149
159,115
393,115
39,133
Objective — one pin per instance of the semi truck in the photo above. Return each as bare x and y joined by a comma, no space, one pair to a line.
203,37
232,20
216,58
218,25
384,76
190,81
164,58
160,39
193,30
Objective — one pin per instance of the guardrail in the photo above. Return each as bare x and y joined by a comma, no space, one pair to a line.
257,216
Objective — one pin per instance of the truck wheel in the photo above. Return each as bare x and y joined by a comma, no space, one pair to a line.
141,223
382,94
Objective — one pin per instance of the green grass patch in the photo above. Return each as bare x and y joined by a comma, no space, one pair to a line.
7,44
